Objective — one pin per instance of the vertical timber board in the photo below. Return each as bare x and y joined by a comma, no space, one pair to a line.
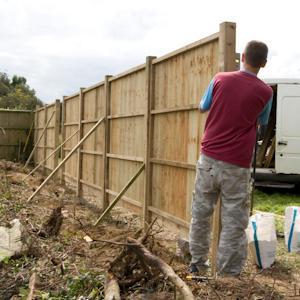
63,137
36,118
79,155
149,138
227,62
45,139
56,131
106,143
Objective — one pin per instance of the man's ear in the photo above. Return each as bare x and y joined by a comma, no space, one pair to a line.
263,64
243,57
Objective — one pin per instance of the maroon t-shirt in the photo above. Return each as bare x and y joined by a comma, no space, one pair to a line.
230,129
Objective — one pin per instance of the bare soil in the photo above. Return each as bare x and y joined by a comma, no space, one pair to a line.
69,267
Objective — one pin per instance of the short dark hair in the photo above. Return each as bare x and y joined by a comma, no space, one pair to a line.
256,53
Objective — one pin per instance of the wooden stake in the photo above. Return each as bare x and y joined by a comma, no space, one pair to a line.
39,139
121,193
63,136
271,153
149,136
56,131
65,159
227,62
54,151
32,282
45,138
28,137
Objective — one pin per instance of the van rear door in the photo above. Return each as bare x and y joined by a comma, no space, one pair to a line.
287,150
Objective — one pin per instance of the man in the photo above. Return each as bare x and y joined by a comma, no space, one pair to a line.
236,102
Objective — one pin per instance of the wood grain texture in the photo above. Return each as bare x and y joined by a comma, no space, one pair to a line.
127,135
71,116
179,83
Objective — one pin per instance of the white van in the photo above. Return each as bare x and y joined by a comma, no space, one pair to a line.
278,153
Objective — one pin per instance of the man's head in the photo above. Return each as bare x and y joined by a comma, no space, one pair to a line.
255,55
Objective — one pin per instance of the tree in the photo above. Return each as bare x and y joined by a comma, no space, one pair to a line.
16,93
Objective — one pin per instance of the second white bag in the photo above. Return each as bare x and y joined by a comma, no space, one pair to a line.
292,228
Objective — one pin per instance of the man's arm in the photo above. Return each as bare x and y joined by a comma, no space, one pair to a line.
264,115
206,100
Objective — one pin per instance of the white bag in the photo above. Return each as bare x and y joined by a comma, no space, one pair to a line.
262,239
10,239
292,228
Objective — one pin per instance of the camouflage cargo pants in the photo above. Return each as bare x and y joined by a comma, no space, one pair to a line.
215,178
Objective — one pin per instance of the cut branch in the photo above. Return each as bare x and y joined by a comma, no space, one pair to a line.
152,260
141,240
112,289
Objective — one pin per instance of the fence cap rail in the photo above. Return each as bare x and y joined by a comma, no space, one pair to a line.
71,96
94,86
128,72
189,47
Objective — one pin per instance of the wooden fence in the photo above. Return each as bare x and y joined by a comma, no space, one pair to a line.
46,134
14,129
152,116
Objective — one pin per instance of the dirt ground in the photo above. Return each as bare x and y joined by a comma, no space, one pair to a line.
67,266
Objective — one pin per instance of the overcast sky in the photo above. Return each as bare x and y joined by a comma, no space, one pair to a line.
61,45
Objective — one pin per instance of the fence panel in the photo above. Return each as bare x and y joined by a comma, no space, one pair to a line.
180,81
14,129
151,116
127,135
92,173
47,117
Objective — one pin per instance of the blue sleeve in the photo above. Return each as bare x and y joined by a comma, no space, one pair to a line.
206,100
264,115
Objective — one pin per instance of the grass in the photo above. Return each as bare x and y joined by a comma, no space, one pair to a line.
275,202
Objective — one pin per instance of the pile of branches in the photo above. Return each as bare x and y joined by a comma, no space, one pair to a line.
137,269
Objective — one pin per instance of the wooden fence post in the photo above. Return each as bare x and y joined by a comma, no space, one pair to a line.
63,137
56,131
227,62
106,143
79,154
45,139
148,138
